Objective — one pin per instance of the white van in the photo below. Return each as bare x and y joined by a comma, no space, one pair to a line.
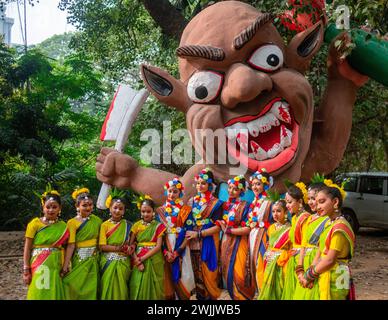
366,204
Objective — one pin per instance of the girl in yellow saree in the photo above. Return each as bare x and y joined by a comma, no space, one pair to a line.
81,280
258,220
276,256
147,279
203,235
235,262
310,241
115,264
336,247
178,269
43,251
296,198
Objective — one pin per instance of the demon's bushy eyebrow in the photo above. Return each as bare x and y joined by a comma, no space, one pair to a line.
206,52
251,30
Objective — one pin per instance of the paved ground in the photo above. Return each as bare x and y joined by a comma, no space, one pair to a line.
369,266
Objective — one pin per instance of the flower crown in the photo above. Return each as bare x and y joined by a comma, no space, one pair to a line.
49,190
77,192
204,174
114,194
302,187
239,181
139,201
331,184
268,183
174,183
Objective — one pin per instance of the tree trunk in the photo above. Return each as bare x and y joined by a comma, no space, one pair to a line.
166,16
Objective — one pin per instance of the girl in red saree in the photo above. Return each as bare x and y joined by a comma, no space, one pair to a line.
259,220
147,279
178,270
80,270
43,251
235,261
330,270
203,235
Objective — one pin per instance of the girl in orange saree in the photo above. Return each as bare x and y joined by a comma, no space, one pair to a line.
203,235
43,251
259,220
330,270
178,269
235,262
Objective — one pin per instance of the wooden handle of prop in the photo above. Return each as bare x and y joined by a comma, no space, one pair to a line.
103,195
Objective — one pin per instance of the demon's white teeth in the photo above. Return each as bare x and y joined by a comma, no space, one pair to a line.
242,140
234,130
281,110
264,123
253,128
275,150
285,136
259,153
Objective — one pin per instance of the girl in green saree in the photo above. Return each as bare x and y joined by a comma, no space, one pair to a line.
296,198
43,251
81,276
276,255
310,241
147,279
115,264
330,270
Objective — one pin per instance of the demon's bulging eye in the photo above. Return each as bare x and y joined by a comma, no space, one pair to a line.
267,58
204,86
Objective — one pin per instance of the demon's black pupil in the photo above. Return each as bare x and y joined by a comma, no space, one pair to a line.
201,92
273,60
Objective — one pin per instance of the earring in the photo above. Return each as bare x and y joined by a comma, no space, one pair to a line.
77,209
336,209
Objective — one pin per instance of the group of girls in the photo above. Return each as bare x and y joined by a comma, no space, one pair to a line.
293,248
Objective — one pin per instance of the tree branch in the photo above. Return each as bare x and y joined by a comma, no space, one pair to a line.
171,21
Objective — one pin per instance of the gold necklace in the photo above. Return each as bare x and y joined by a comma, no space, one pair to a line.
145,223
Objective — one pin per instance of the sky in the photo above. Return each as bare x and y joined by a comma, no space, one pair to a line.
44,20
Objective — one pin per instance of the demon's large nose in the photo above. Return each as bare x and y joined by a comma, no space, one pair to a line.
242,84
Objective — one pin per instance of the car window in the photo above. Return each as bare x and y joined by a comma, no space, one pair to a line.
351,184
372,185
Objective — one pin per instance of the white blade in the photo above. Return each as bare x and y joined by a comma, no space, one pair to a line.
118,123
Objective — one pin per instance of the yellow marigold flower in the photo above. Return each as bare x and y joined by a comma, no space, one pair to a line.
303,188
77,192
179,185
264,180
108,201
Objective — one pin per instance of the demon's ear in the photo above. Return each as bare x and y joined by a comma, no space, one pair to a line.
166,88
304,46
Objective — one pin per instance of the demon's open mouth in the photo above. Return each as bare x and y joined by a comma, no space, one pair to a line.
266,140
